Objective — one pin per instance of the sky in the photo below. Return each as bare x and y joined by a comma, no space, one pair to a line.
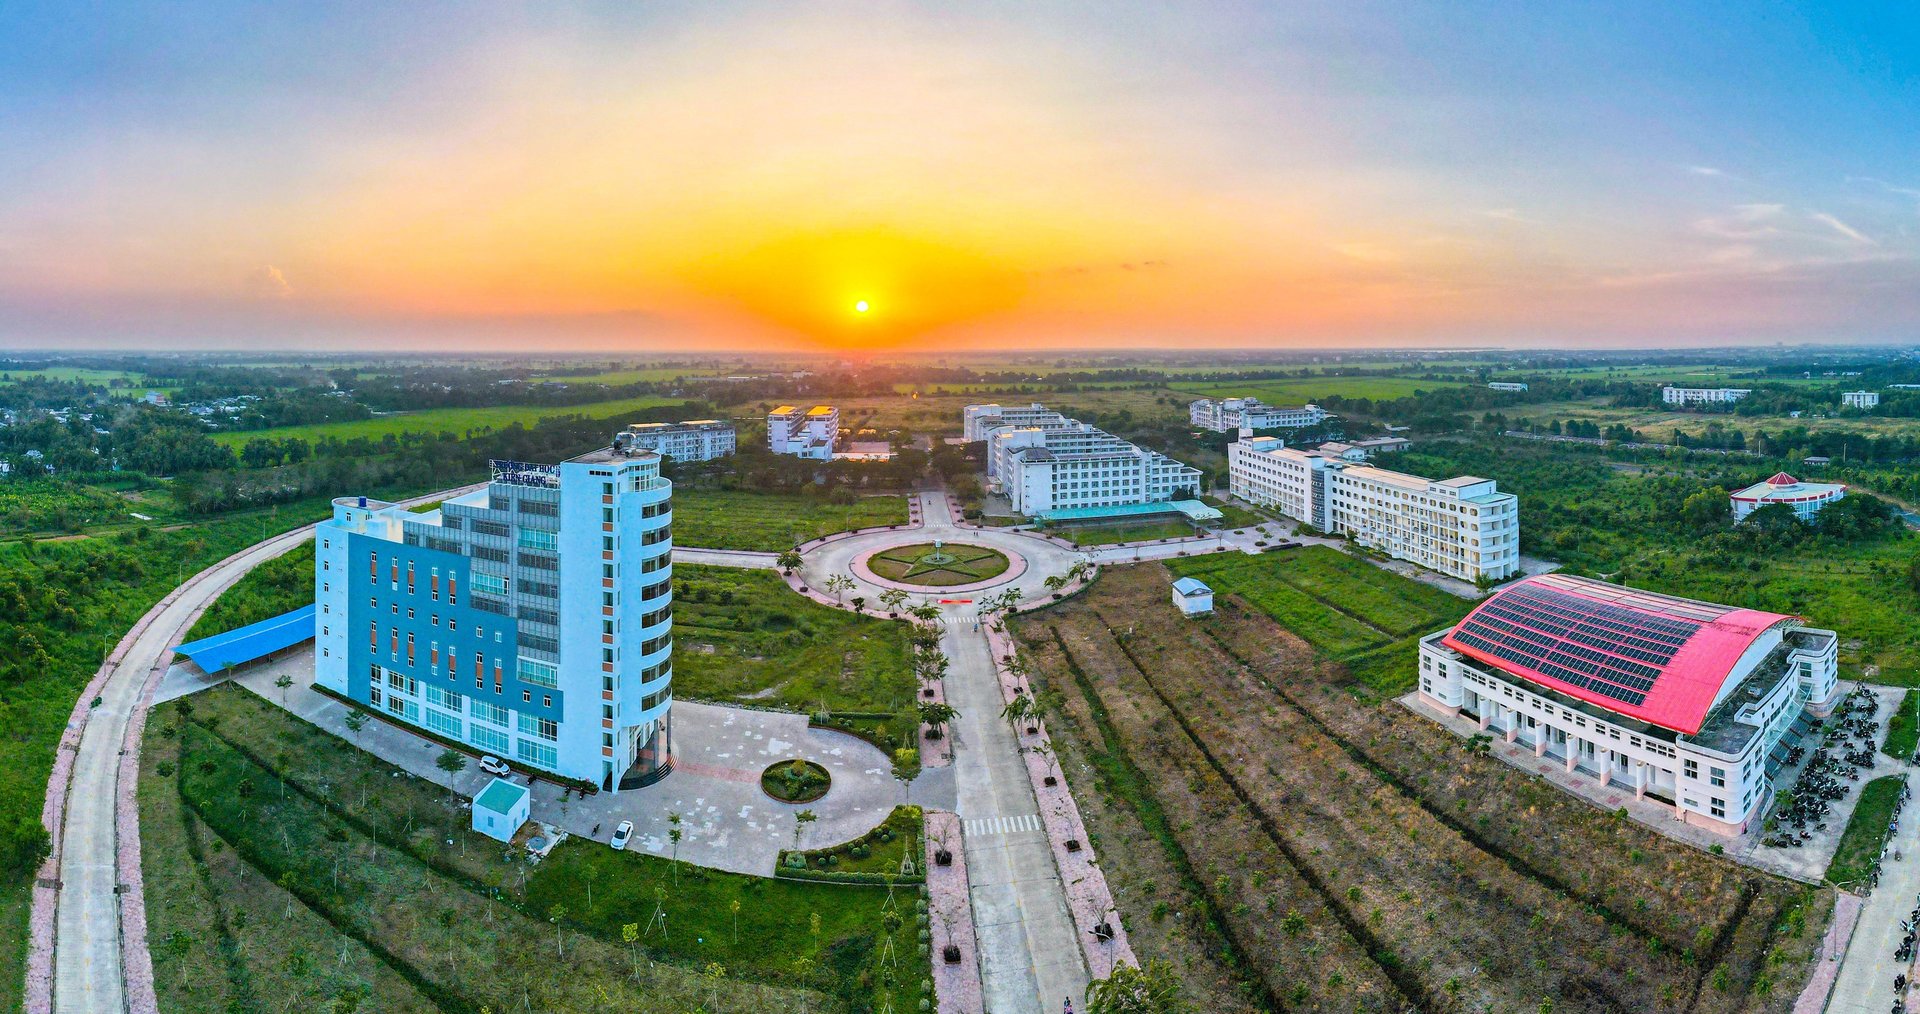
680,177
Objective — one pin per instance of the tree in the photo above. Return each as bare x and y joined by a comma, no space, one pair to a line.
860,604
892,599
1155,989
554,915
800,822
674,835
789,561
906,767
452,762
356,720
283,681
838,585
1707,510
935,715
630,935
926,613
1018,712
24,845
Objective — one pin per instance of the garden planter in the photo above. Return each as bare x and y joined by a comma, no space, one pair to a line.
1073,844
950,954
943,857
1050,781
1103,932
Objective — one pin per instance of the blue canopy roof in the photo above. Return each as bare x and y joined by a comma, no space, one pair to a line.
255,640
1192,586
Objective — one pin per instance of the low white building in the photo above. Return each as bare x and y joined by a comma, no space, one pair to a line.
1860,399
1193,597
692,440
500,809
803,432
1230,414
1806,498
1362,450
977,422
1702,395
1463,527
1506,385
1682,701
1041,470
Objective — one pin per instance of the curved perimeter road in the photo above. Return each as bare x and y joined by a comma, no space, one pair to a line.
88,948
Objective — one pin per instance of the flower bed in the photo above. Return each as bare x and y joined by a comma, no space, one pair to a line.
795,781
872,858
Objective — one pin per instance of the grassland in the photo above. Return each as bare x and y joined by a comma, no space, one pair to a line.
281,584
742,636
1109,534
1296,843
1294,391
772,522
958,564
378,865
458,421
76,374
1347,608
648,375
1854,859
1658,425
38,506
1903,729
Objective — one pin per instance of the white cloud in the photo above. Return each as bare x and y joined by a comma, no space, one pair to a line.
267,282
1842,228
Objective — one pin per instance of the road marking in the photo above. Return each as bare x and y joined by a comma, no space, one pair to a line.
984,826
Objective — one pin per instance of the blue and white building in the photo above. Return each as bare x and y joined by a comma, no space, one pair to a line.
531,619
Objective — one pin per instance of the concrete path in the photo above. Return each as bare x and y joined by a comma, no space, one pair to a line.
1029,949
1865,982
87,951
1043,558
726,558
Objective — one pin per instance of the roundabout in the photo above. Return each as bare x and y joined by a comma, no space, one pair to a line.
938,564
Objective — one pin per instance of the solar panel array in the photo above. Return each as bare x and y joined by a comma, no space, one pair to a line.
1606,649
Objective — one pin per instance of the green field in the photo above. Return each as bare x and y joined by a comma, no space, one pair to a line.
1306,389
81,375
649,375
1342,605
925,564
1138,531
444,420
1658,425
771,522
1866,831
742,636
396,872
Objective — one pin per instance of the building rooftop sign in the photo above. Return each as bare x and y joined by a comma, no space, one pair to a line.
525,473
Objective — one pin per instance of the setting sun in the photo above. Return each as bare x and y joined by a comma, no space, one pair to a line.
860,307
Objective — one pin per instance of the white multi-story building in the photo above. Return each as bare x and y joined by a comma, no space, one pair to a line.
1669,698
1060,468
1463,527
1506,385
692,440
1230,414
1702,395
1362,450
532,619
1806,498
1860,399
977,422
803,433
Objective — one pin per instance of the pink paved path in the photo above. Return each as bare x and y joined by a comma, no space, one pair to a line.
957,986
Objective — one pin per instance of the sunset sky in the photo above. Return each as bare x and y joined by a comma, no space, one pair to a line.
704,176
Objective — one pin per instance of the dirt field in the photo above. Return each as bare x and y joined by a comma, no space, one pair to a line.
1322,850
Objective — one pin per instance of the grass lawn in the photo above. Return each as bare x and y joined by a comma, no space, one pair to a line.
1903,729
368,852
1107,535
922,564
1344,606
280,585
444,420
1299,390
1866,831
1234,517
772,522
743,636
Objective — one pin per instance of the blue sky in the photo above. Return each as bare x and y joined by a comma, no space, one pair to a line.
1219,174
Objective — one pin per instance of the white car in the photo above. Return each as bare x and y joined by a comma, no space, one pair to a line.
495,766
622,834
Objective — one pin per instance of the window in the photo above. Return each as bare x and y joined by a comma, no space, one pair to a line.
486,712
1718,807
491,584
534,725
442,697
546,700
444,724
488,739
1717,777
534,538
536,754
526,697
1691,768
539,674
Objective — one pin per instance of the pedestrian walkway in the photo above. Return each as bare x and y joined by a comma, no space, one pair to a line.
1865,982
1004,825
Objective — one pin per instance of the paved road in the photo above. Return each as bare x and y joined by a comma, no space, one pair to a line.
1043,557
1865,982
726,558
1030,955
88,976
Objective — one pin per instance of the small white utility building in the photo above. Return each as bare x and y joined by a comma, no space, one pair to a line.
500,809
1193,597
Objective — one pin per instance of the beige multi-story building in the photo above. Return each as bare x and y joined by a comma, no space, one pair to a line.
1229,414
1860,399
692,440
1702,395
1463,527
1079,466
803,433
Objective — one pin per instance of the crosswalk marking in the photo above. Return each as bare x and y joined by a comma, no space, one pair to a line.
1002,825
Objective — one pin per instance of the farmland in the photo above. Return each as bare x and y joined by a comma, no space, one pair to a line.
442,420
1299,390
1657,424
1317,849
771,522
386,895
